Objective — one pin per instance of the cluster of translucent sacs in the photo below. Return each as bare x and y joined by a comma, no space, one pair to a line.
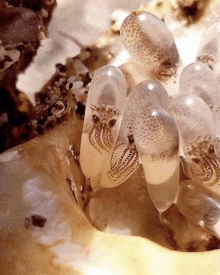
121,130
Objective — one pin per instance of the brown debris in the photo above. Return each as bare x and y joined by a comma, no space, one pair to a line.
190,11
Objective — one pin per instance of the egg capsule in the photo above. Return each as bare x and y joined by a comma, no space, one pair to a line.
198,79
104,110
200,205
125,158
150,44
196,125
157,140
209,48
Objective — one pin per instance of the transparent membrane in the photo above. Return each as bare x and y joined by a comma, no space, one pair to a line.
209,47
200,205
198,79
157,140
149,42
196,125
125,157
152,48
105,107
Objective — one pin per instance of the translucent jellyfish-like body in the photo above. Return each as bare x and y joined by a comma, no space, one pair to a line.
197,78
125,158
104,110
150,43
197,139
209,48
157,140
200,205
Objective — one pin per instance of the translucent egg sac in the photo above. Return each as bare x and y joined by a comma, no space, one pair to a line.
125,158
200,205
157,140
198,79
150,43
104,111
198,145
208,51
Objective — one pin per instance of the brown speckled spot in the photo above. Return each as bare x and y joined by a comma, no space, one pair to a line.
214,243
35,220
192,246
38,220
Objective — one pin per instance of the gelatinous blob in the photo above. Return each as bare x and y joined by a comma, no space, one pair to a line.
197,78
197,139
209,48
157,140
125,158
150,43
104,110
200,205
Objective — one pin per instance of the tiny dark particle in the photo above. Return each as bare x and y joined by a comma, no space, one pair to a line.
57,78
38,220
40,129
10,48
159,4
196,160
20,47
74,99
192,246
59,105
35,220
88,49
50,124
27,222
214,243
80,109
2,64
70,86
61,68
131,139
86,79
63,89
35,5
95,118
112,122
8,58
211,149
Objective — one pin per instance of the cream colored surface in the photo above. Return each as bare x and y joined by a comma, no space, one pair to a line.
68,243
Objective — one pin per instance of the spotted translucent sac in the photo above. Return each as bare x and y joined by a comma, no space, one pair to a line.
199,157
157,140
197,78
125,158
150,44
104,110
209,48
200,205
